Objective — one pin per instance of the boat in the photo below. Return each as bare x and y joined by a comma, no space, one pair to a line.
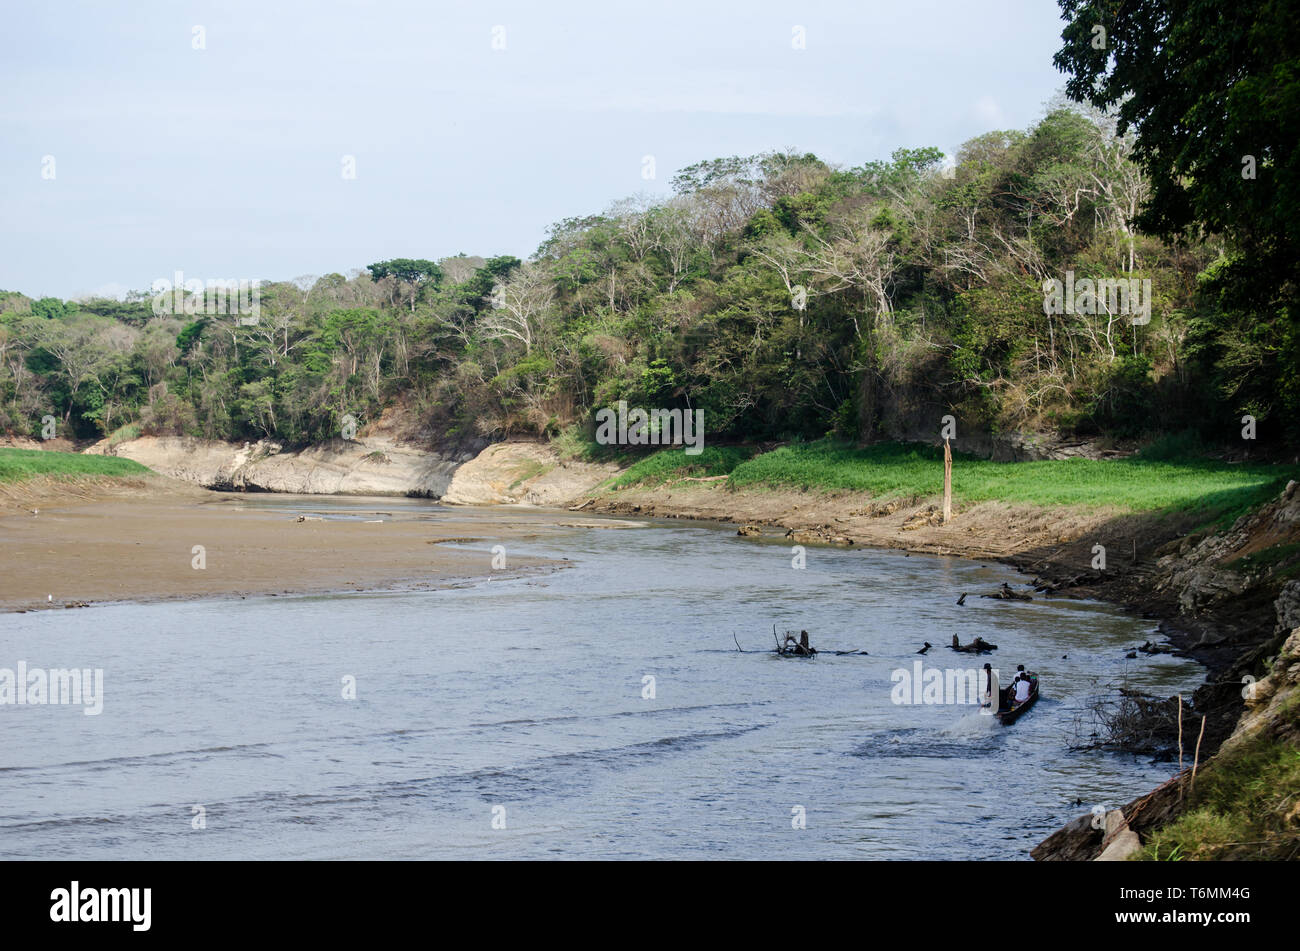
1008,710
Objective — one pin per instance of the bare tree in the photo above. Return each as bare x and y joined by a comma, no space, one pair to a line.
521,307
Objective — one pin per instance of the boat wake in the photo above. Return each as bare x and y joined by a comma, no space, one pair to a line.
973,724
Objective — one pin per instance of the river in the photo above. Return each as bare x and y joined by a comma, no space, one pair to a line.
512,718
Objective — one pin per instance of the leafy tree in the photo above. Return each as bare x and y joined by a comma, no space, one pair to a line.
50,308
412,273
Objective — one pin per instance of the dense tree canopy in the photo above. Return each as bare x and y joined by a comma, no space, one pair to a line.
784,296
1211,93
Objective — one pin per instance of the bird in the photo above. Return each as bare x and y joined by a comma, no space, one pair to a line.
925,648
962,599
49,598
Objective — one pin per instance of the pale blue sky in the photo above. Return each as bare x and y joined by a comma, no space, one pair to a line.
226,162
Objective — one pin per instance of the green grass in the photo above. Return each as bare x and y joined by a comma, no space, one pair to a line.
668,464
573,443
123,433
889,470
16,464
1238,810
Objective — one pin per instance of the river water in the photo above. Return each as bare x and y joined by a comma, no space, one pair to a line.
512,718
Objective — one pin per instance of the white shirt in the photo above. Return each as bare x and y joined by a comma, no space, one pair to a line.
1022,689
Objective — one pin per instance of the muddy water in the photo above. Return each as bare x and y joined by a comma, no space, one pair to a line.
513,718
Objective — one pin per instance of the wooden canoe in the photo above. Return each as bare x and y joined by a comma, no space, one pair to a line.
1009,711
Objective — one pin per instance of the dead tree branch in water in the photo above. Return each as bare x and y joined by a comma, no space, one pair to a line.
1131,722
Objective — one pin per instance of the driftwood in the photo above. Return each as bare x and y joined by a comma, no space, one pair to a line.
1150,648
792,647
1132,722
977,646
1005,593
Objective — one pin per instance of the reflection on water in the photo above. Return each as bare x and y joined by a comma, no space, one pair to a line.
531,694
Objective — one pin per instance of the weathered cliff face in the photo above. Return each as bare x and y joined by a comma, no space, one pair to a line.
1206,572
369,466
524,473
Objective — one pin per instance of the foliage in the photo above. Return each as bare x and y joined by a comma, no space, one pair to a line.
1242,807
786,298
1211,92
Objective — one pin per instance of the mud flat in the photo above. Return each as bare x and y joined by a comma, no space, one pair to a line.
69,543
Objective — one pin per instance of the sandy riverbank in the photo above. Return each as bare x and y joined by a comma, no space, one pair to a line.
133,539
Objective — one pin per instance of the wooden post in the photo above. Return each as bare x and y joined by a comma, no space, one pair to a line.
947,482
1180,734
1196,761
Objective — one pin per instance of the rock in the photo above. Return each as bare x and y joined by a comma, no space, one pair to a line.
1206,586
530,473
1076,841
749,531
1123,845
1115,823
1288,606
373,466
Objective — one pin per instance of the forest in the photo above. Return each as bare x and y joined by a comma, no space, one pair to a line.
786,297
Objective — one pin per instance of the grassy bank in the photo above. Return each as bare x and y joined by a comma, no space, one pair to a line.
1244,806
18,464
893,470
671,464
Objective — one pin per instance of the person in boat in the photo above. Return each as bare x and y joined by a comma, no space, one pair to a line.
987,699
1024,687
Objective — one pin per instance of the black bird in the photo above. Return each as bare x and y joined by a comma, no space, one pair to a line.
925,648
962,599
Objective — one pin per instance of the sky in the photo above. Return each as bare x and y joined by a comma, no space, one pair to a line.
216,139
